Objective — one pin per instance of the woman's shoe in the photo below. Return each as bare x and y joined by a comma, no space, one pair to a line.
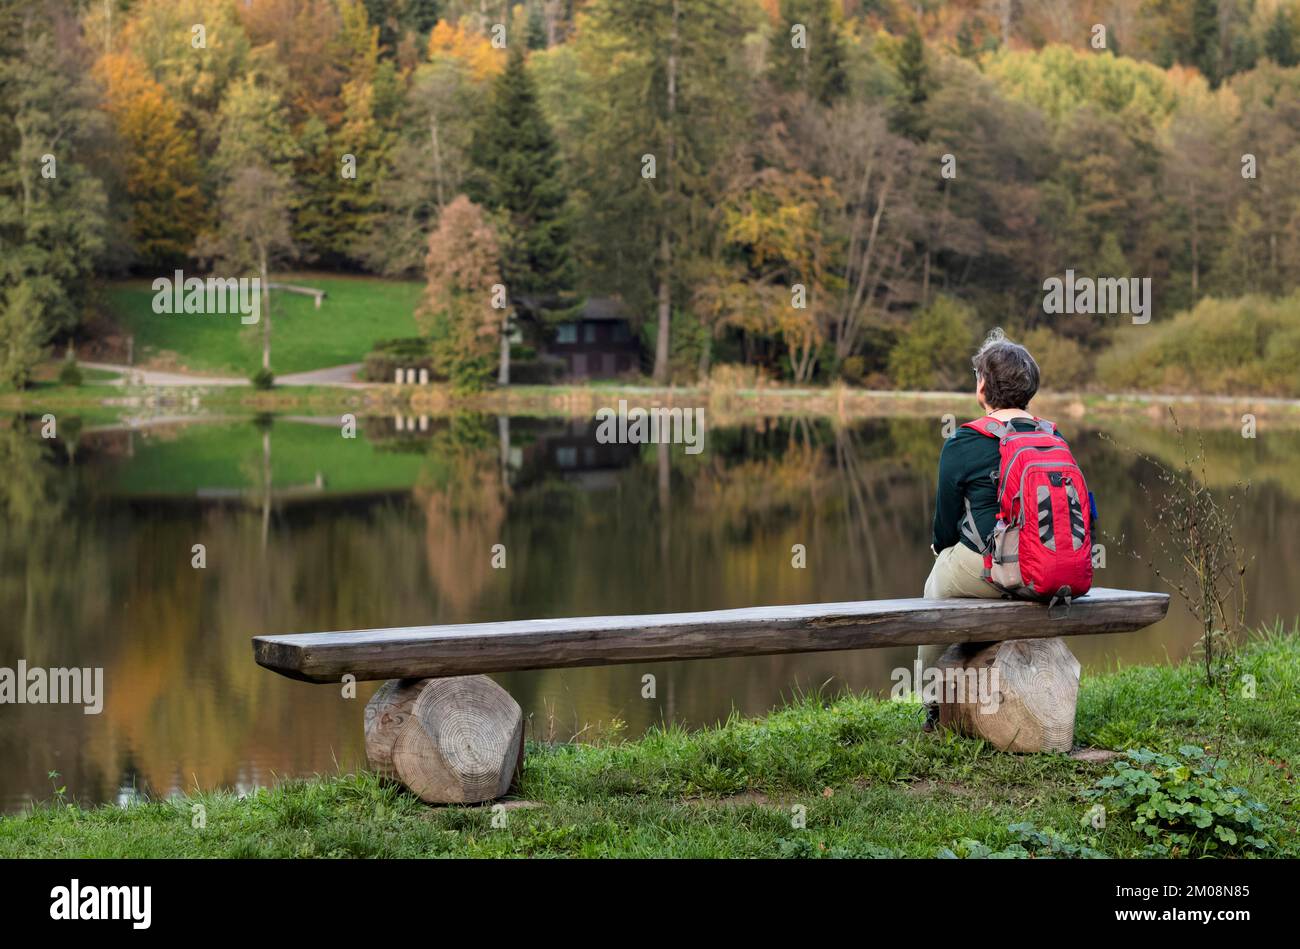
931,717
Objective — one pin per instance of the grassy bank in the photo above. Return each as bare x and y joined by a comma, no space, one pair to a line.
871,783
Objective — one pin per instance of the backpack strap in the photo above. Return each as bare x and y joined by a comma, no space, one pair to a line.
971,532
989,426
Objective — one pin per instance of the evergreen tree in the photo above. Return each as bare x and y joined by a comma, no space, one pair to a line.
913,77
664,89
536,26
1205,39
816,66
517,173
22,336
1279,40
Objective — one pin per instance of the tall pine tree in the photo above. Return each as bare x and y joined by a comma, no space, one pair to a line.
517,173
913,77
808,52
1205,39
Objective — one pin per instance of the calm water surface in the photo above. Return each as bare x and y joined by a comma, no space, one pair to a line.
307,531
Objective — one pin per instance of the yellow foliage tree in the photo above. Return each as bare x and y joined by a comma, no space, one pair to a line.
474,50
159,160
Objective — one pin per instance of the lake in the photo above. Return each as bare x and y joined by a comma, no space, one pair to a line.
305,530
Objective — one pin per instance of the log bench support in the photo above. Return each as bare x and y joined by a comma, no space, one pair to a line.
1018,695
450,734
458,740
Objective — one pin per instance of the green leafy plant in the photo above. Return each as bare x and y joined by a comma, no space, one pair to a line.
1183,804
262,379
60,790
1029,842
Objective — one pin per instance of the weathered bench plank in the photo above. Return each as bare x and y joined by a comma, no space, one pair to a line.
470,649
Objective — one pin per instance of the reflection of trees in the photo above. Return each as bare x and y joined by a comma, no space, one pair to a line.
54,599
30,491
1271,458
462,493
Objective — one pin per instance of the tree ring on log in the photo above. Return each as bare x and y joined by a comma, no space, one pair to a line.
461,742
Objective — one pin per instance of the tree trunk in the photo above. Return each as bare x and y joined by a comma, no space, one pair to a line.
437,161
1196,252
266,488
266,310
664,310
663,337
1017,695
457,740
706,357
503,371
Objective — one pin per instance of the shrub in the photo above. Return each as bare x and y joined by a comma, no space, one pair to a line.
70,375
1183,805
389,355
1063,364
853,369
262,379
1221,347
936,353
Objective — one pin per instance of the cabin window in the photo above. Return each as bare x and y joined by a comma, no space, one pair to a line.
589,333
566,333
621,333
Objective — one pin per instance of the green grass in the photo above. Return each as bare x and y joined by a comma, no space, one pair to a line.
228,455
871,782
355,313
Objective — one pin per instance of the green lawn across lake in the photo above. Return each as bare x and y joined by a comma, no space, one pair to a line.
228,456
355,313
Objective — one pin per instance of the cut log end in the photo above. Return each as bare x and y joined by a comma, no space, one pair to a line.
386,712
1018,695
452,740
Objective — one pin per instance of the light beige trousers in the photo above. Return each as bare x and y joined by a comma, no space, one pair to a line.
956,572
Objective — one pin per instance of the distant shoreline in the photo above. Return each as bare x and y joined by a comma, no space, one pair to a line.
724,404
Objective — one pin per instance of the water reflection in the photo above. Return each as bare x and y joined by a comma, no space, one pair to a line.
306,530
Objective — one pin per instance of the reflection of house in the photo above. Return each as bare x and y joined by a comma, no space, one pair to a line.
597,343
569,449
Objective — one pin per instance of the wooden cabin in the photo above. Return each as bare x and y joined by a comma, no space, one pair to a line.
598,343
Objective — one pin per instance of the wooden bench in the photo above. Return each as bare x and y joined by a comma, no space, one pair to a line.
317,295
451,734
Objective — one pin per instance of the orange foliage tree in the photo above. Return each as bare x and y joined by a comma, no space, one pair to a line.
462,267
159,161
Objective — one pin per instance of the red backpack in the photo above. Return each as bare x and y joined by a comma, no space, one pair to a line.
1041,547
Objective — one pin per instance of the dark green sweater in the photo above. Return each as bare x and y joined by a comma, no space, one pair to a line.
968,469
